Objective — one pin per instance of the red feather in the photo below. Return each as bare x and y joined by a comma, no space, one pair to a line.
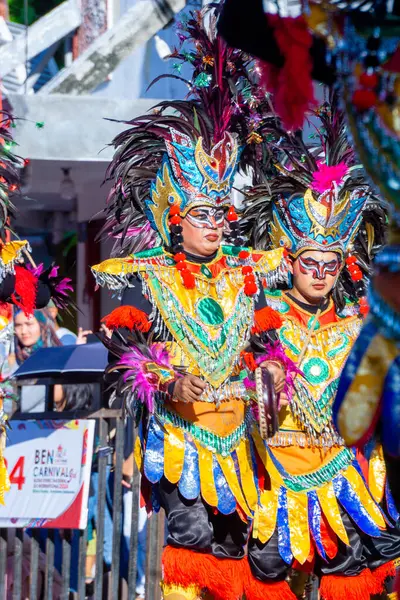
129,317
291,85
25,290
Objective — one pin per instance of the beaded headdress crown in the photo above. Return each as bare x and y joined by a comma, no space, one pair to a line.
326,217
190,177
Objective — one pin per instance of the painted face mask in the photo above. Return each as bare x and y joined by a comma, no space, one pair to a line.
206,217
319,268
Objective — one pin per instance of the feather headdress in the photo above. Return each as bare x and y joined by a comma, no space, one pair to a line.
318,199
185,152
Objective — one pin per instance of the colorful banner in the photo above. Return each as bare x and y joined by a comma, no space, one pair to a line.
49,464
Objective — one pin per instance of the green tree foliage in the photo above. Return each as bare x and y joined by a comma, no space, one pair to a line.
36,9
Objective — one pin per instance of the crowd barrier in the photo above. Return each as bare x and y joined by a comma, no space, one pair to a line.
108,583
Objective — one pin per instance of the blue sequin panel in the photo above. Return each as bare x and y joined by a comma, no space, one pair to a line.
314,520
189,483
283,528
352,505
390,419
226,500
154,455
358,468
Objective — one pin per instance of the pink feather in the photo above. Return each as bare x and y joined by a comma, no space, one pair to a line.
144,383
54,272
276,352
37,271
327,175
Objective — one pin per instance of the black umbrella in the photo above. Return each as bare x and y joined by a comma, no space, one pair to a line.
83,363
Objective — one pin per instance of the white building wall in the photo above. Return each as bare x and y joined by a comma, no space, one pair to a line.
132,78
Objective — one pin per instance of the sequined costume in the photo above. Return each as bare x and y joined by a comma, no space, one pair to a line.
365,49
317,511
198,447
182,313
374,362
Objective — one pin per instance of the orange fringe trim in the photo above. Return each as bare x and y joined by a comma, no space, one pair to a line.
255,589
221,577
340,587
265,319
380,575
129,317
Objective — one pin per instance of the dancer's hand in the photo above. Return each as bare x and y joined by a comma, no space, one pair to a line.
188,389
278,375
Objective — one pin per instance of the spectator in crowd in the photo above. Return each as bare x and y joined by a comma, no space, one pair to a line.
66,336
73,396
30,334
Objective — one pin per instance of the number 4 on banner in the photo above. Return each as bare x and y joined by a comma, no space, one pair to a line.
17,474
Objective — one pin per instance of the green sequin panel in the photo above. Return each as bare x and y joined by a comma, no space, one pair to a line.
208,439
233,250
287,342
209,311
310,324
342,347
150,253
206,271
274,293
316,370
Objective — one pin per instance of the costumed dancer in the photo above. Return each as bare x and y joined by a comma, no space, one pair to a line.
309,46
331,44
317,511
192,306
368,396
22,283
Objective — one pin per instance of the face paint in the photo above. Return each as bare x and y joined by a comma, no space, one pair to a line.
206,217
319,268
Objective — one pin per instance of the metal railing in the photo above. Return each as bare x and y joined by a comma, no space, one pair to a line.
108,582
